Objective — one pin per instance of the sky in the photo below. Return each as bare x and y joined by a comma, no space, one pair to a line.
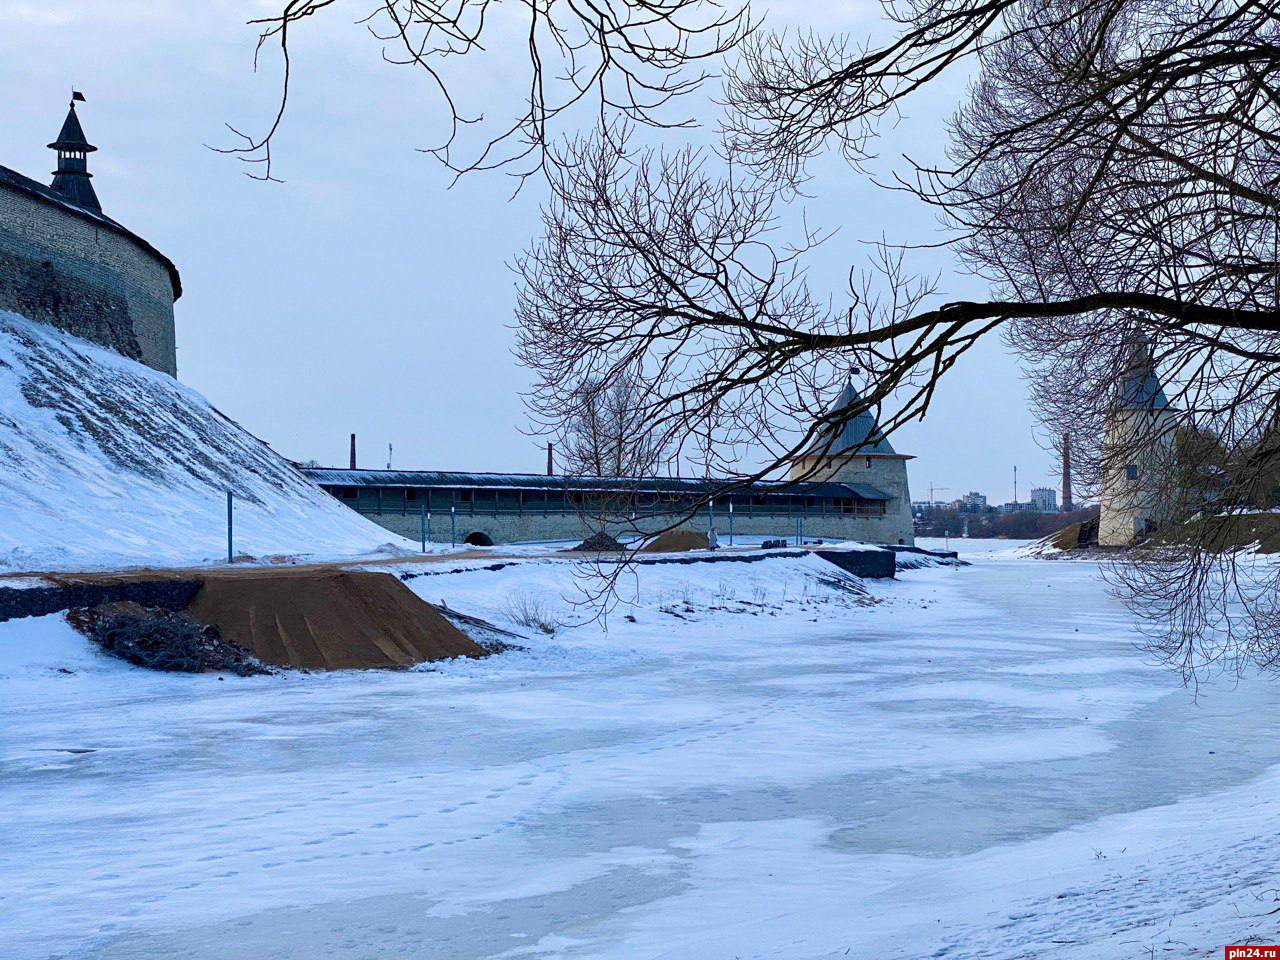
367,293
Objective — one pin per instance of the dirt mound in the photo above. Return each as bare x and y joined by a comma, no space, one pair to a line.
1068,538
599,542
677,541
1081,536
161,639
338,620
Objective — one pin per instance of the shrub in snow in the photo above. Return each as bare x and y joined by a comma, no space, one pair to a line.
531,612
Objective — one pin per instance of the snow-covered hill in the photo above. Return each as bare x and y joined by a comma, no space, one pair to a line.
107,462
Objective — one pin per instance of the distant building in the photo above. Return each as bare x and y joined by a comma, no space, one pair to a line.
931,506
973,502
1044,499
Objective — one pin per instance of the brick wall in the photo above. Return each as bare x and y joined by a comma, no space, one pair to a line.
64,269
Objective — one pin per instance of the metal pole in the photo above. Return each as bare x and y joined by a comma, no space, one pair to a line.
428,526
731,523
422,524
453,527
230,515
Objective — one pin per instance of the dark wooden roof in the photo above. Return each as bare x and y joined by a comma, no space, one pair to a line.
861,434
16,181
462,480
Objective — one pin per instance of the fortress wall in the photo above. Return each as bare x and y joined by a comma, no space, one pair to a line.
64,269
509,528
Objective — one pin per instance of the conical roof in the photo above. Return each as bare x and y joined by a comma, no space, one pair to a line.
72,178
861,433
1139,388
71,136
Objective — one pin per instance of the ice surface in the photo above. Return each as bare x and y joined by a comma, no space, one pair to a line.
979,765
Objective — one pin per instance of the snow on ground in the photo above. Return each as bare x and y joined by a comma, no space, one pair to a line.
977,765
116,463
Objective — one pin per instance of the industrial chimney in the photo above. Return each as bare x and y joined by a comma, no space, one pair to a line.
550,461
1067,505
353,451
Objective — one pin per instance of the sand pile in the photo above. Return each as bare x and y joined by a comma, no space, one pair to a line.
599,542
1080,537
329,620
677,541
1068,538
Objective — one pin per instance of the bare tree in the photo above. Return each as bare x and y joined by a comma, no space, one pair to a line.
559,60
1112,173
608,435
654,270
605,434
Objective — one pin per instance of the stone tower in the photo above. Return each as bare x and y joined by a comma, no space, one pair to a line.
860,456
1138,455
65,262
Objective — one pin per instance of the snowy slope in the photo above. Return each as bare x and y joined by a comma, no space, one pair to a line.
108,462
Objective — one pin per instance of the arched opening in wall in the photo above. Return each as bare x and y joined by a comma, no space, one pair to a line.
478,538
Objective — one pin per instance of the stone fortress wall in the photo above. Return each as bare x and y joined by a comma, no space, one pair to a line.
86,275
534,527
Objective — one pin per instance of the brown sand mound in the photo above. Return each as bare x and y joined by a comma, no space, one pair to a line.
1080,537
677,541
1068,538
337,620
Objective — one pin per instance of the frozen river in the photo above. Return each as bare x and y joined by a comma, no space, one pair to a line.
980,765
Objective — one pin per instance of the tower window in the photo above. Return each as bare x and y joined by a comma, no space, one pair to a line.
1131,471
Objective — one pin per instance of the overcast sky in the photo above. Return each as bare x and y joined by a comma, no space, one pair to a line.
363,294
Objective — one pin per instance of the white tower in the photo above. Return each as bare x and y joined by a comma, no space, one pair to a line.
1138,455
861,457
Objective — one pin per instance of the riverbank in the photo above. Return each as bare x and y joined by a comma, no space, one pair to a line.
973,759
